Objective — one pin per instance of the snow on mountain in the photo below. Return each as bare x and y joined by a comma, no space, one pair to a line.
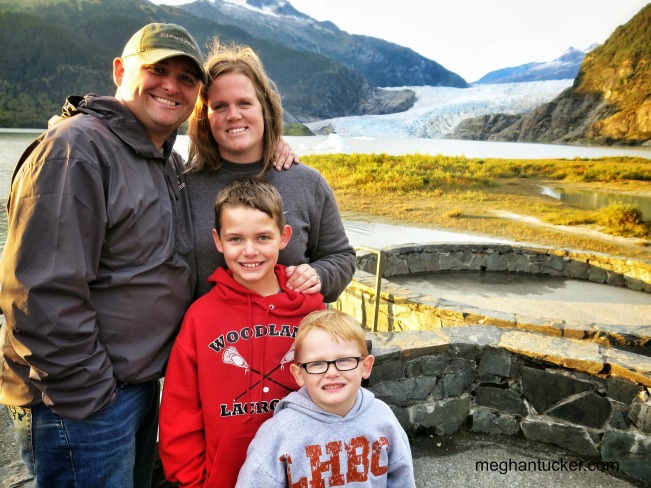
378,62
438,110
563,67
272,10
276,8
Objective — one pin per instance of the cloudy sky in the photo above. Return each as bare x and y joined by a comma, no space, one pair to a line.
474,37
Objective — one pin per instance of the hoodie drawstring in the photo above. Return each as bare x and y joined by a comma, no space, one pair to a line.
260,364
248,384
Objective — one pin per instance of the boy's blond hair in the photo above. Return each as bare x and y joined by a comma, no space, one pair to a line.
250,193
338,324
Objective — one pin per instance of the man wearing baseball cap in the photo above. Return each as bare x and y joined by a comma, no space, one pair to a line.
157,42
97,271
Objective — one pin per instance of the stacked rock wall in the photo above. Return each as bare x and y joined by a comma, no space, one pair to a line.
428,258
445,367
401,309
463,378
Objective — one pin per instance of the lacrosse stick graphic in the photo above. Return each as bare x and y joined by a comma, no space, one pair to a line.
232,356
288,357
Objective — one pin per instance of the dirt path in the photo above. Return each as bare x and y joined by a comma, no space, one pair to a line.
632,242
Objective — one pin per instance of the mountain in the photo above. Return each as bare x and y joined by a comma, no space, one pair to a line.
562,68
439,110
379,62
609,102
54,48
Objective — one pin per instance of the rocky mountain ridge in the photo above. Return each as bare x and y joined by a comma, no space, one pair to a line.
608,104
564,67
381,63
52,49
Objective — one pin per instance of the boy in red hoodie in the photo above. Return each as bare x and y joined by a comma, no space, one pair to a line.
229,366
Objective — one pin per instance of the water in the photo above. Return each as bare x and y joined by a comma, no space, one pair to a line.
594,200
360,233
12,145
448,147
377,235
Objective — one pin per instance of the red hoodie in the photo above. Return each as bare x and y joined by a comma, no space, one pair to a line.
228,369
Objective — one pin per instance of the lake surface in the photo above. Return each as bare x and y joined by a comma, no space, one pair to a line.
360,233
594,200
448,147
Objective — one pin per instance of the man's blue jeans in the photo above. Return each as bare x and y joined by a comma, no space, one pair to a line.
113,448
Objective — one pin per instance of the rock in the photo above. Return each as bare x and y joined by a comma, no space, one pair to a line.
587,409
445,417
501,399
631,450
570,437
543,389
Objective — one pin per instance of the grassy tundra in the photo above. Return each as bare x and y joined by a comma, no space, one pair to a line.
496,197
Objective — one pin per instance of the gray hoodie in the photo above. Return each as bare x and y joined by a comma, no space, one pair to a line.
302,444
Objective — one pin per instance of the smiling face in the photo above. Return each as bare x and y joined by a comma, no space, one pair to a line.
334,391
250,241
160,95
235,117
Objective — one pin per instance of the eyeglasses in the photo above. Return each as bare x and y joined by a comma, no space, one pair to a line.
320,367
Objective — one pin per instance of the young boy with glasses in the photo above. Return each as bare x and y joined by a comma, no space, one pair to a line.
332,432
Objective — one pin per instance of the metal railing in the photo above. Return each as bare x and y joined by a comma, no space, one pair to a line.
378,279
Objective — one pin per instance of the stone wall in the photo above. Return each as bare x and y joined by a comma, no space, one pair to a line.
428,258
446,367
453,379
402,309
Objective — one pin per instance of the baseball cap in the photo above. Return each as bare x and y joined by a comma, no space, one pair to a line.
156,42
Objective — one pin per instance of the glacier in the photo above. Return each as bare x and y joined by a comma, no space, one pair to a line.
439,110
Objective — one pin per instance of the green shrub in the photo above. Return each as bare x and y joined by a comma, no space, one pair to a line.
624,220
296,130
453,214
620,215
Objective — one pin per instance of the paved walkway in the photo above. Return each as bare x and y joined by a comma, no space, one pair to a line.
12,471
537,296
457,461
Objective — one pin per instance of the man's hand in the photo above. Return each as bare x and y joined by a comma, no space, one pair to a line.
303,279
284,157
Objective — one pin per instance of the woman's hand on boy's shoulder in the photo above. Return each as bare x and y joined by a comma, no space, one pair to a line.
303,279
284,157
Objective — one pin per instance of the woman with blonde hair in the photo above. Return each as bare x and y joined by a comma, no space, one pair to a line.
234,129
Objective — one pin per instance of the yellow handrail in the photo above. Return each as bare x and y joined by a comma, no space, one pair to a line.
378,279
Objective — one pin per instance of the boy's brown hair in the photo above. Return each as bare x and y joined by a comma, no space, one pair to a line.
338,324
250,193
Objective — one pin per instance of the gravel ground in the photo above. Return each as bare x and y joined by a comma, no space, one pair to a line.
452,462
12,471
439,461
